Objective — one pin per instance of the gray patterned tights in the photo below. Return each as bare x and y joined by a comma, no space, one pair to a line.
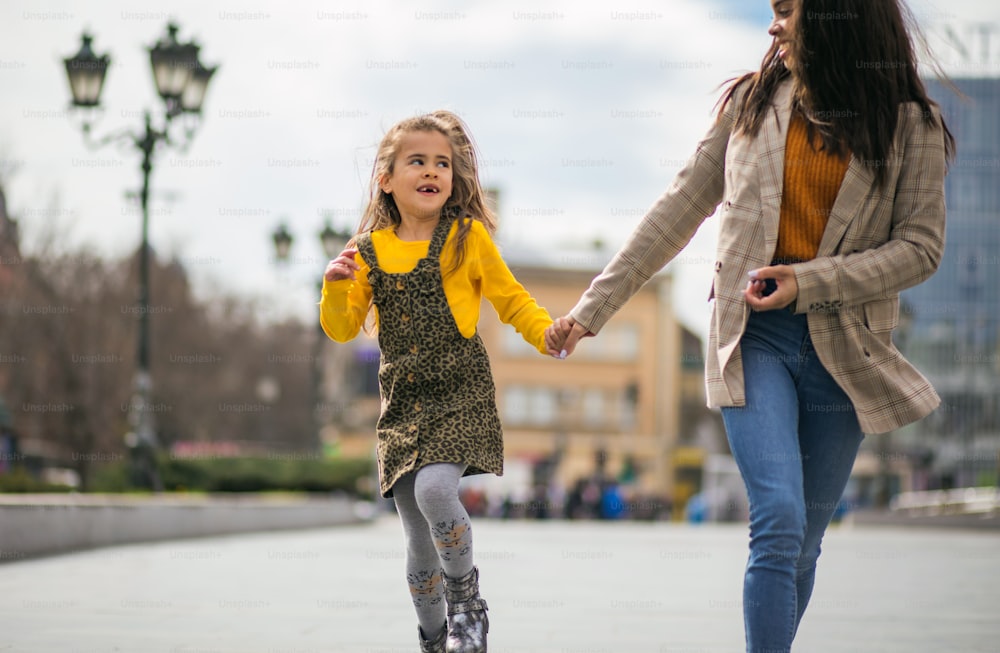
438,535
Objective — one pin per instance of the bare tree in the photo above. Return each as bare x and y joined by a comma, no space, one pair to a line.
68,329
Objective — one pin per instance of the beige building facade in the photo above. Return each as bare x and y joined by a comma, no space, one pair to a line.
617,399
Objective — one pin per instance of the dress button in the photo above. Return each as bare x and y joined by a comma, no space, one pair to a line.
400,285
413,428
411,377
404,317
417,407
413,349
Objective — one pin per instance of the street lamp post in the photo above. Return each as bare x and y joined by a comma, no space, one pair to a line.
181,82
333,242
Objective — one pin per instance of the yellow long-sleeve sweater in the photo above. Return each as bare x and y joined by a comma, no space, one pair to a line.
344,304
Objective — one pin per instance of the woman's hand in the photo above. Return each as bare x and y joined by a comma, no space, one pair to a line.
785,292
562,336
342,267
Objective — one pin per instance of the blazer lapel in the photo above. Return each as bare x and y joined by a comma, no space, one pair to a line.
771,162
857,183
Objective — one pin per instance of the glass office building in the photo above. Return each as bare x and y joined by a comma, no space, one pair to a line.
950,325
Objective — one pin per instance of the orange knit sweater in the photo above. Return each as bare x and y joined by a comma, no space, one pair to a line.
812,180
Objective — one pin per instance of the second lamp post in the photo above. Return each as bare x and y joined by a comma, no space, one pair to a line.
333,242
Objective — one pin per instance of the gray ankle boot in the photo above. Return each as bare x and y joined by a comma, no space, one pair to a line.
435,646
467,620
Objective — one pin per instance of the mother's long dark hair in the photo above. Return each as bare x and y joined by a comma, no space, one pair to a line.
854,63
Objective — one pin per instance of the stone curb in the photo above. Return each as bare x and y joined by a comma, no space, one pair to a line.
46,524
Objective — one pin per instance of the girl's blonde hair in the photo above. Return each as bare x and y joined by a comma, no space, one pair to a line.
467,201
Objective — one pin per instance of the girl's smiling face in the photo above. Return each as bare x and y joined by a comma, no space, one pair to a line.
421,177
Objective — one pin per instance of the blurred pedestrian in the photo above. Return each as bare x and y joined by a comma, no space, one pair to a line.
829,166
612,502
424,258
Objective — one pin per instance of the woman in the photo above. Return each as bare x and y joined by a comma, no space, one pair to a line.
829,164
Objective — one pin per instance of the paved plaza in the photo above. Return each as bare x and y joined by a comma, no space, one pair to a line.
552,587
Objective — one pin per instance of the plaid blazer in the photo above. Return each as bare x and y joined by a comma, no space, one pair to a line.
878,241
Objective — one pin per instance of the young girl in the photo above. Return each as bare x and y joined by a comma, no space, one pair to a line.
424,257
829,166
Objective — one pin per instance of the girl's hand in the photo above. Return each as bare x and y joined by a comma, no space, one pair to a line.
785,292
342,267
556,335
562,336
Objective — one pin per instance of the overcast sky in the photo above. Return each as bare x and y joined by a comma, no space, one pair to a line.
583,113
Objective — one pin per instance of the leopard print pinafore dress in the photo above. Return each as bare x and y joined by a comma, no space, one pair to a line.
436,385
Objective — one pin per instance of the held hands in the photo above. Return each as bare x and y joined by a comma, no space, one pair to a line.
342,267
786,288
562,336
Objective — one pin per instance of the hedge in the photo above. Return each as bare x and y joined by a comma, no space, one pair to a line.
249,474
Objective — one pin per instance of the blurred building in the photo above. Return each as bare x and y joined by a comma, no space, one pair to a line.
615,399
950,325
628,406
10,260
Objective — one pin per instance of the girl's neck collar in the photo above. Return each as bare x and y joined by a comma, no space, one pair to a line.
416,231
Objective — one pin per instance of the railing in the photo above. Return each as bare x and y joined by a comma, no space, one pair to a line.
983,501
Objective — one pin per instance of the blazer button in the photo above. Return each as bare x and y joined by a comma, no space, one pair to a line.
413,349
400,285
411,377
404,317
417,407
413,428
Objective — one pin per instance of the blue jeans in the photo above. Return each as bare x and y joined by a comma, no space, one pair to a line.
795,442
